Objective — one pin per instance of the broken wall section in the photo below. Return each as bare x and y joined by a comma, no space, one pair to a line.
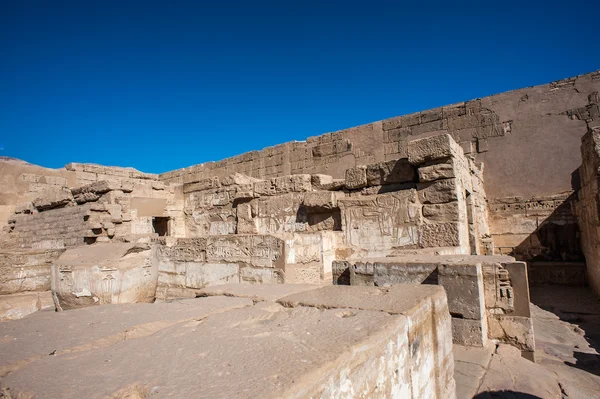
588,205
96,212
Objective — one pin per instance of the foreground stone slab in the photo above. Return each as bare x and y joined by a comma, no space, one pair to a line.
35,337
230,348
258,292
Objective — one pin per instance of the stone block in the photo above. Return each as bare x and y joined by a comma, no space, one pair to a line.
517,272
514,330
438,192
356,177
432,148
201,185
392,123
17,306
464,287
447,212
390,272
439,235
238,179
281,185
390,172
53,198
322,200
326,182
443,170
98,187
362,273
469,332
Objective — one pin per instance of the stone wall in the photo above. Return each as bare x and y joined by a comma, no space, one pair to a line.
588,205
60,217
528,140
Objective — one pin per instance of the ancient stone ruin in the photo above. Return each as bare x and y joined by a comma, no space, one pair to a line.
365,254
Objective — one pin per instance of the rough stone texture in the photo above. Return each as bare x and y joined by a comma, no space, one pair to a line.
432,148
329,353
356,177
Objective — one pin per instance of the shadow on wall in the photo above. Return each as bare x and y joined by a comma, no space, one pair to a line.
555,239
553,252
505,395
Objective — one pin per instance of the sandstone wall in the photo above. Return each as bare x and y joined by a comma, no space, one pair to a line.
588,205
528,140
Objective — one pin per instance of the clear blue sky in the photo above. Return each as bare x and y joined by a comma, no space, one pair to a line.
164,85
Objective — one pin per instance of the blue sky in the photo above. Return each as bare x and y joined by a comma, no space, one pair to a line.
164,85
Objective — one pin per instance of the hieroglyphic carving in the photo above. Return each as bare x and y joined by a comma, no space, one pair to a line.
381,221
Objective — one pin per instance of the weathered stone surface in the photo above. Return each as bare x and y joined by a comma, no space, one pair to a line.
464,286
438,192
439,235
438,171
361,350
468,332
432,148
390,172
356,177
284,184
447,212
326,182
53,198
322,200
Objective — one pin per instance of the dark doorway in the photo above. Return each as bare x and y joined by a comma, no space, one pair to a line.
160,225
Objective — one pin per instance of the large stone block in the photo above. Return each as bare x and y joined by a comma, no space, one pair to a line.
432,148
438,171
356,177
392,272
439,235
17,306
390,172
438,192
322,200
285,184
447,212
53,198
330,351
514,330
326,182
464,287
469,332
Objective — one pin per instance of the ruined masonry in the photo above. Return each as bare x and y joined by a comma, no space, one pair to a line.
414,233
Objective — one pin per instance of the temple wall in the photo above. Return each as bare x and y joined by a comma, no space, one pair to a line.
528,140
588,205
